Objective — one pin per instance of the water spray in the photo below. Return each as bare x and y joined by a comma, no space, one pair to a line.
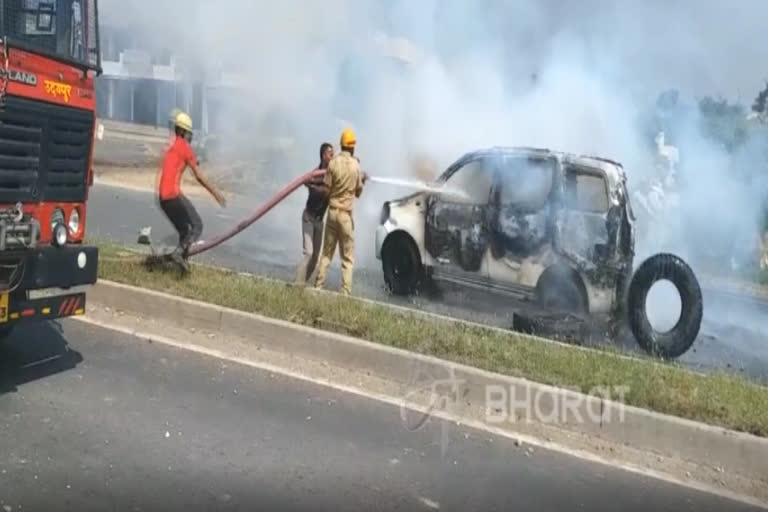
419,185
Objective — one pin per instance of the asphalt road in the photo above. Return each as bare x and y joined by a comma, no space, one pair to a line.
96,420
734,335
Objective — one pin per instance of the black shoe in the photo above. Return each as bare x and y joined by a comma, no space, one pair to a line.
179,259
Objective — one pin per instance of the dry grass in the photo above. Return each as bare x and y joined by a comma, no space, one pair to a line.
725,400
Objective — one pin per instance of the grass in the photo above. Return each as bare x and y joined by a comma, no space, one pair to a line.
718,399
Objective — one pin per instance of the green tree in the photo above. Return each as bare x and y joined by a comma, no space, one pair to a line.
724,123
761,102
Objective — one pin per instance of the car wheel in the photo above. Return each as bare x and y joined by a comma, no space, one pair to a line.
401,262
677,341
558,290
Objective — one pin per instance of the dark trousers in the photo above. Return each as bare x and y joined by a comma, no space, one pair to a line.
185,219
312,238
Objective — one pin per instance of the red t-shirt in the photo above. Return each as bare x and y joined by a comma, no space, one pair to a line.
178,156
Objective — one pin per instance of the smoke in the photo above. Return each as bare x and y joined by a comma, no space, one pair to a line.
573,76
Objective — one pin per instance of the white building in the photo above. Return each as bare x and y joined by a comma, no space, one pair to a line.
142,85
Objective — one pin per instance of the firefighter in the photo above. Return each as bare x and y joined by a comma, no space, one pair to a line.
173,202
312,218
345,182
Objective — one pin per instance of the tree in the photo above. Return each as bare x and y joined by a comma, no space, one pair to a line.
761,101
723,122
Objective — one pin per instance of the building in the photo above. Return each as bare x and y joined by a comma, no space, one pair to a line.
142,81
142,84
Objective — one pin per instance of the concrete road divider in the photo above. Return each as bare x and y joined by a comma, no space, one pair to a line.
506,400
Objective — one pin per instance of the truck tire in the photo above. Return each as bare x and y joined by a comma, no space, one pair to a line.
674,343
558,290
401,263
5,332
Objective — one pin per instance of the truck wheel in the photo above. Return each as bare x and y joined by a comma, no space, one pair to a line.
5,332
401,262
558,290
676,342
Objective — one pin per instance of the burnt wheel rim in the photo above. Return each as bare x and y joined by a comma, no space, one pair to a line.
402,267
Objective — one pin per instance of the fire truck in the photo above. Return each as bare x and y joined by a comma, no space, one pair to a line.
50,57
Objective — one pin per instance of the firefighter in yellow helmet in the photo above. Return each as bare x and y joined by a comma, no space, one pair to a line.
179,210
345,182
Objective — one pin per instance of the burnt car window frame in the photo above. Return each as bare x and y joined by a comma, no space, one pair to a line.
457,168
503,179
576,170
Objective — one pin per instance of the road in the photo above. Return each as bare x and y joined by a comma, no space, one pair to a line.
734,336
96,420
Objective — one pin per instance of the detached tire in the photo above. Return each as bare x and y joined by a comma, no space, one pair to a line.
401,263
557,326
676,342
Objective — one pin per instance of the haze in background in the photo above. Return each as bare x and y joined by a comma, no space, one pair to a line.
573,76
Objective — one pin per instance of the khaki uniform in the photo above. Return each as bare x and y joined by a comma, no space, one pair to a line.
345,183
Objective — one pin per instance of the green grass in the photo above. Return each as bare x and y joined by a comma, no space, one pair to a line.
718,399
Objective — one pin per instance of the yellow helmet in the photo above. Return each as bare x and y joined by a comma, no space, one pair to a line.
183,121
348,138
172,118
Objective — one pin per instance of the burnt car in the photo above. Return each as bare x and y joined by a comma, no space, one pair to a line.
550,226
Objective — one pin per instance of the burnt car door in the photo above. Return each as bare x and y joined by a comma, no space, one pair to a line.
456,231
586,232
521,218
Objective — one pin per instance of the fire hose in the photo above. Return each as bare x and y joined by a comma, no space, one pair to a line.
259,213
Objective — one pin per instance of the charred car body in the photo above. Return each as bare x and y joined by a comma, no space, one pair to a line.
536,223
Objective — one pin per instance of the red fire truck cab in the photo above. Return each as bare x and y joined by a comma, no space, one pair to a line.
49,57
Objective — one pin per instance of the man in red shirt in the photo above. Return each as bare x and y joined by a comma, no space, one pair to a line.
173,202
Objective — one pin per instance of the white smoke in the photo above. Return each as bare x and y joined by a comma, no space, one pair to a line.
573,76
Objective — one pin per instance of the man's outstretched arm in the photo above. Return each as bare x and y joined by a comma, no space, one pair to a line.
200,177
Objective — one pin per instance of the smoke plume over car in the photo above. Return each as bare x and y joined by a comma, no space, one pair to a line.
572,76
